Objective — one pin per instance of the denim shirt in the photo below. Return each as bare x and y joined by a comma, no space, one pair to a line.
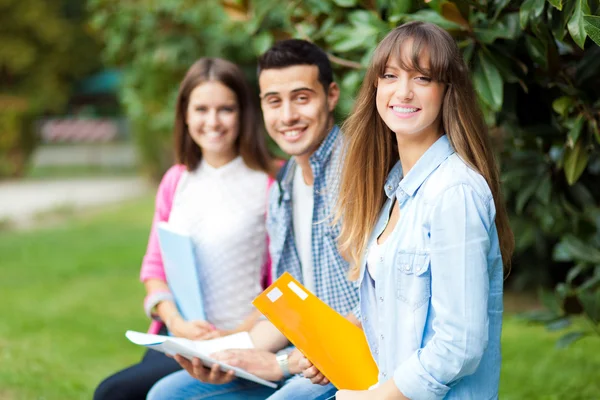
432,314
330,269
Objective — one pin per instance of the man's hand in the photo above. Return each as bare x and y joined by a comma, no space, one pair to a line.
193,330
311,372
261,363
212,375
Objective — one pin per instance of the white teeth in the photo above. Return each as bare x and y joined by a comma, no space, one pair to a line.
291,134
404,109
213,134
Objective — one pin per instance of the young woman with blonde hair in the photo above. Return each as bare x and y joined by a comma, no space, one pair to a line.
424,223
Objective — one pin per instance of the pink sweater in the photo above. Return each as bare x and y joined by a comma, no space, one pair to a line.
152,264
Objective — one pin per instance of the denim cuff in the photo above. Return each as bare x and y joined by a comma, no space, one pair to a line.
416,383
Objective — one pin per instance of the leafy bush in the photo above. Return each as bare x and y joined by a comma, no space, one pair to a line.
534,65
39,40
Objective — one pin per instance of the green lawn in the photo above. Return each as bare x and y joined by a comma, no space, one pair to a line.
69,293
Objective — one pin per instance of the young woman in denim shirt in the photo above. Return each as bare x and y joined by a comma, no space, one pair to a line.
424,225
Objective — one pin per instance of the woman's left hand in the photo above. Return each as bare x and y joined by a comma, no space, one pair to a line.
353,395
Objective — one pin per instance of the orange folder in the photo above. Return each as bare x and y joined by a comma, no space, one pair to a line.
333,344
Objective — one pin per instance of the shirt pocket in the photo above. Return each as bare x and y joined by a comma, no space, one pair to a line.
413,278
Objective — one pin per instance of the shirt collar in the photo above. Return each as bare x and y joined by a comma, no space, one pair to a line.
321,155
317,159
223,170
429,161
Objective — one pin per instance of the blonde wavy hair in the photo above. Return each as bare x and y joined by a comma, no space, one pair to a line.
371,149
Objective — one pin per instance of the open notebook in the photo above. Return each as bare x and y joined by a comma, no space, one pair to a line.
332,343
201,349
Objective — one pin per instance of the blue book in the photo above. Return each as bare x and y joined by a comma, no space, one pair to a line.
181,269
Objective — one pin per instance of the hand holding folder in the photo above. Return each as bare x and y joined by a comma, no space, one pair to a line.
333,344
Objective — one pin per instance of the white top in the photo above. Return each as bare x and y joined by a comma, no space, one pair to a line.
302,205
223,210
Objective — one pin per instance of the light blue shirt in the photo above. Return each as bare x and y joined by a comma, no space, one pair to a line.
432,314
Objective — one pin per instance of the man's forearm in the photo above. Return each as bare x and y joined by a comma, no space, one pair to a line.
266,336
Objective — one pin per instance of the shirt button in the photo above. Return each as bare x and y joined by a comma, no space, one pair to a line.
384,374
389,187
381,337
407,267
381,299
365,319
380,259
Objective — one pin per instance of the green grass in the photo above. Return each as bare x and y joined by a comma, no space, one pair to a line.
68,294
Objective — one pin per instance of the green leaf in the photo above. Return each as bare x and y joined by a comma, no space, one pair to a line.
530,9
560,19
398,8
556,3
575,131
489,82
537,51
580,250
591,24
574,272
539,316
346,3
524,195
544,189
550,301
563,105
505,28
558,325
569,338
498,7
576,160
434,18
575,25
262,42
588,295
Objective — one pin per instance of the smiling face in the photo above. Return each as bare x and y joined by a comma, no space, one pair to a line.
212,119
408,101
296,109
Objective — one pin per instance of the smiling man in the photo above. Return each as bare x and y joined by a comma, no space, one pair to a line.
298,97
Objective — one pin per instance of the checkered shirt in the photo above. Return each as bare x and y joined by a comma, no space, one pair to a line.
330,269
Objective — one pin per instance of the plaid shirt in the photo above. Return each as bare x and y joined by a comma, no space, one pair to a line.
330,269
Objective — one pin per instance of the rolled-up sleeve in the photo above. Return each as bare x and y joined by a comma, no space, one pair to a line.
460,240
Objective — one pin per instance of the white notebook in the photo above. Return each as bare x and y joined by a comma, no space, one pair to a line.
201,349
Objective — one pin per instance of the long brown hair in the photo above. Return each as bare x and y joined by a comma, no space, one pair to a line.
250,143
371,149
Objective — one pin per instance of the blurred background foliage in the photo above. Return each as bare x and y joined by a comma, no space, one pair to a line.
46,47
535,65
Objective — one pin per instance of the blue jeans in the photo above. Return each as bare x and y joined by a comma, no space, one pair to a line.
180,385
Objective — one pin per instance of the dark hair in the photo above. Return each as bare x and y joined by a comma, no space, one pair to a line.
291,52
250,143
